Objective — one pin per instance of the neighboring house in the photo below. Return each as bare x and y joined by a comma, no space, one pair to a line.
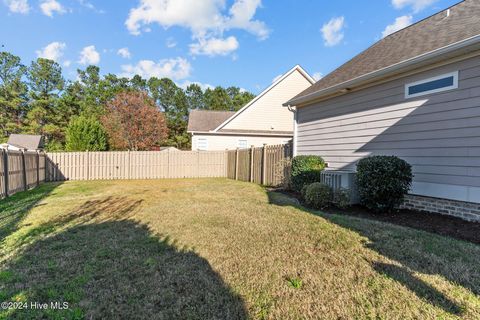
414,94
262,121
26,142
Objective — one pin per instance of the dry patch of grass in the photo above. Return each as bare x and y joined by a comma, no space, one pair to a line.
222,249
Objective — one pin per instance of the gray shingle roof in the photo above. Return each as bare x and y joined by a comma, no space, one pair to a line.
432,33
27,141
206,120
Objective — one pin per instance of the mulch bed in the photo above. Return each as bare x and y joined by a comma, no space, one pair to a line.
430,222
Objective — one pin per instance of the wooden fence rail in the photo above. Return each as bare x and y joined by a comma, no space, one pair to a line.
20,171
135,165
267,165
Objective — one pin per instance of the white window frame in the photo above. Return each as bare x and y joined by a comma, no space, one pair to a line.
240,146
198,144
446,75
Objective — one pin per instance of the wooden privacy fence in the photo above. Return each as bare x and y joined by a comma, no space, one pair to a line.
135,165
20,171
267,165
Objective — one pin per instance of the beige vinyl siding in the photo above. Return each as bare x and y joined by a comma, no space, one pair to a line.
267,112
222,142
439,134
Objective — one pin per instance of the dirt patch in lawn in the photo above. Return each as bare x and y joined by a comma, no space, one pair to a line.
431,222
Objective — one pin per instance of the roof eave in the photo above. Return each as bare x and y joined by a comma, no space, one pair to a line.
369,77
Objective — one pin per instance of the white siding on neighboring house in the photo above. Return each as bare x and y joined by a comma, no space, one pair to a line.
222,142
267,113
438,134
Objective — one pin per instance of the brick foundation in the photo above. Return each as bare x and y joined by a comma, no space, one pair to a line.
464,210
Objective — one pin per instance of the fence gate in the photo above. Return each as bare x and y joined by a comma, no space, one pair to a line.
267,165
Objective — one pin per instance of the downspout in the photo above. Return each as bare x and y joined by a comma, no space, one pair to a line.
294,142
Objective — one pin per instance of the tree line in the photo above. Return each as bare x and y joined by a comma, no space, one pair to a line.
96,112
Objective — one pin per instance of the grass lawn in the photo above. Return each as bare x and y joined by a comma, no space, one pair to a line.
219,249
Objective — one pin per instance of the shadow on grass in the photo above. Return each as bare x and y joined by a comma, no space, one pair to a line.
419,251
421,288
108,266
14,208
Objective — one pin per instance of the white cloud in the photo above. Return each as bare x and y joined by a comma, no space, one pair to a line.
400,23
317,76
124,53
198,16
50,6
89,5
214,46
67,63
203,86
171,43
52,51
417,5
207,19
89,55
18,6
332,31
176,69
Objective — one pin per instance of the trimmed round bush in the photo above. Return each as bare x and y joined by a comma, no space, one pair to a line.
306,170
383,181
318,195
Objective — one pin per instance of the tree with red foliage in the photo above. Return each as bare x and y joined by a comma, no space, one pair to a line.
134,122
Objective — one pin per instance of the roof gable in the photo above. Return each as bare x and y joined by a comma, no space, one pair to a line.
296,69
457,23
27,141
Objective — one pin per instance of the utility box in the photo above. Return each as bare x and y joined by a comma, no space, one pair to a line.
341,179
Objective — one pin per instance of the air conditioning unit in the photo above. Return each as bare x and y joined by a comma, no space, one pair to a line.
341,179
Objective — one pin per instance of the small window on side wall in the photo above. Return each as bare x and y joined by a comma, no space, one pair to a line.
242,144
202,144
440,83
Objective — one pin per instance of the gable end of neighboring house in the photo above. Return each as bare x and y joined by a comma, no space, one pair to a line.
422,106
262,121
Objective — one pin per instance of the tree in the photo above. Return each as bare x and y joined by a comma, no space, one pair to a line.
173,102
134,122
239,97
218,99
85,134
46,84
13,99
195,97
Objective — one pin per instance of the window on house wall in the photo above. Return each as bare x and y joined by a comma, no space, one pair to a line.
202,144
242,144
432,85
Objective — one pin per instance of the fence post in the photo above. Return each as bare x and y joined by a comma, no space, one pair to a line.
87,175
198,163
251,162
37,159
5,172
236,164
128,166
24,172
264,163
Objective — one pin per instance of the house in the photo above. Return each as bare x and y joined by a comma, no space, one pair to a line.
414,94
25,142
262,121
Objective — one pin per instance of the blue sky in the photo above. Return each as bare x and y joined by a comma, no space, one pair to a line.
245,43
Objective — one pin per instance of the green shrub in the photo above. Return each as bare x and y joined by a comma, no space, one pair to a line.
383,182
306,170
85,134
318,195
341,198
